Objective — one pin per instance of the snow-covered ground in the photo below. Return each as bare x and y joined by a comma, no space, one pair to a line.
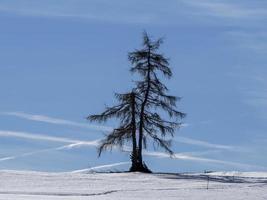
17,185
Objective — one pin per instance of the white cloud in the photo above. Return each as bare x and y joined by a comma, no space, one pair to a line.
7,158
227,9
182,156
32,136
31,153
81,144
65,147
184,125
178,156
138,11
57,121
101,10
101,167
203,143
254,40
189,156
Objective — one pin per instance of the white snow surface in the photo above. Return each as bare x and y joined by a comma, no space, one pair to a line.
21,185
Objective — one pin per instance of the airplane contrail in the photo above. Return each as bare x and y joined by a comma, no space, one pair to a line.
58,121
101,167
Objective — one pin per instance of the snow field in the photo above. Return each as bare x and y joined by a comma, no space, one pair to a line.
18,185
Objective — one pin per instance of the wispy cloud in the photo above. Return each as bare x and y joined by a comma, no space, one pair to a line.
64,147
253,87
195,157
34,152
179,156
32,136
57,121
73,143
254,40
182,156
47,119
100,10
137,11
7,158
101,167
201,143
256,98
81,144
228,9
29,154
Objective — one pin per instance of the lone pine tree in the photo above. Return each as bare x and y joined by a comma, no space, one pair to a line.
148,63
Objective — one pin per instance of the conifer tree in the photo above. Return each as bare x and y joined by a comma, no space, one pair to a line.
150,65
140,111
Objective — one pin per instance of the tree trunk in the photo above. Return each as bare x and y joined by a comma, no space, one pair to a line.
134,157
142,166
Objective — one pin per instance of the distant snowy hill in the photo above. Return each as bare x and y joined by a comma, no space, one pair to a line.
27,185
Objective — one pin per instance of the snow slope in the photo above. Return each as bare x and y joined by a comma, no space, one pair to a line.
18,185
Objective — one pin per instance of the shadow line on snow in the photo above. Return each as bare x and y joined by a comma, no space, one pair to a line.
57,194
221,179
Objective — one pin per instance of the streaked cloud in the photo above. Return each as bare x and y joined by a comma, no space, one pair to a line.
32,136
196,157
184,125
28,154
7,158
201,143
64,147
81,144
254,40
179,156
32,153
144,12
101,167
57,121
228,9
186,157
100,10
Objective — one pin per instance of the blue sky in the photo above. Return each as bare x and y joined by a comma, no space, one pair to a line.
63,60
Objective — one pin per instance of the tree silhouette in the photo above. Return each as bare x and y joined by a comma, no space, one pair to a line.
126,111
148,63
143,107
